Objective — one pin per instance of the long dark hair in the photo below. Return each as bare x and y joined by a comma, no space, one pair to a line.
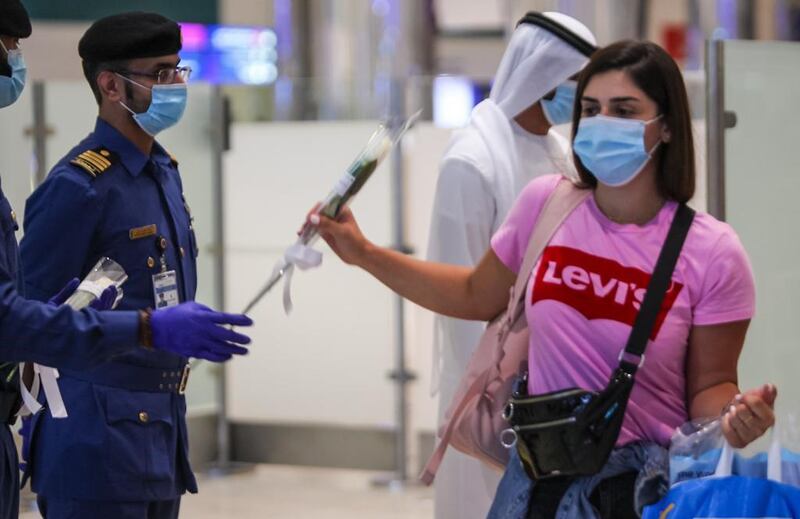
658,76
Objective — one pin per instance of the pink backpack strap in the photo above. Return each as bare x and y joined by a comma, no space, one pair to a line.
560,204
475,390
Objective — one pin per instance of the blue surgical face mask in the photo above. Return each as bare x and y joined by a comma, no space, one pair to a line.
11,87
559,109
167,105
612,148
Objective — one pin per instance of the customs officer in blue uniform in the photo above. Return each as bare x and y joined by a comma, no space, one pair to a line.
55,336
118,193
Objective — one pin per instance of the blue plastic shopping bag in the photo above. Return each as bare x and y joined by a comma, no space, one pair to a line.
727,497
723,495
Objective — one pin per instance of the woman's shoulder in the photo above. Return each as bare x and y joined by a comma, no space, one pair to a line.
530,202
540,188
711,237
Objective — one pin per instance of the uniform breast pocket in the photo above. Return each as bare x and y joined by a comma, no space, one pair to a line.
141,434
140,258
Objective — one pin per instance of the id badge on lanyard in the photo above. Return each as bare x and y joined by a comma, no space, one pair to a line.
165,283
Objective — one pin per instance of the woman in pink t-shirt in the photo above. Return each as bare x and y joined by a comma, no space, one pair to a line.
632,142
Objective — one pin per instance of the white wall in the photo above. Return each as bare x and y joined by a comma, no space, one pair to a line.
246,12
457,15
423,148
331,354
52,50
16,153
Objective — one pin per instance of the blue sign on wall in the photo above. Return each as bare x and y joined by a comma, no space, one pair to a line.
225,54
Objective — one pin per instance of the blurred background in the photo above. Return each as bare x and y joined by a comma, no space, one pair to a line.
283,95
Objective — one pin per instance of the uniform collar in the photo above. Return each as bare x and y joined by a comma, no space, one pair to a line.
130,156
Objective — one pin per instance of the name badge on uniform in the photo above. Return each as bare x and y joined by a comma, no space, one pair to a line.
165,289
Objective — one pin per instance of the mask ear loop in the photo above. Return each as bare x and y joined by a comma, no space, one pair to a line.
8,52
652,150
135,83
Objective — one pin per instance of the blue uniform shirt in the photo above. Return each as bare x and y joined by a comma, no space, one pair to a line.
107,198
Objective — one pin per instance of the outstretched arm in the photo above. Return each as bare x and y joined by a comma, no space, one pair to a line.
462,292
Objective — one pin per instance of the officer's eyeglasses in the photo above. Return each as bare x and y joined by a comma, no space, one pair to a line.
164,76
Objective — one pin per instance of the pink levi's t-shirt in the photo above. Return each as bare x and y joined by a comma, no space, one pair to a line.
586,290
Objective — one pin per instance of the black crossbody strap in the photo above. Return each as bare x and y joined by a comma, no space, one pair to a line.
658,286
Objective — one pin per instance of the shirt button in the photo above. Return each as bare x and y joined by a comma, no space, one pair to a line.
151,262
144,417
183,252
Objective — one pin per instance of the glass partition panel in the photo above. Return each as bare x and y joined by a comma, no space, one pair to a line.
70,111
761,188
314,365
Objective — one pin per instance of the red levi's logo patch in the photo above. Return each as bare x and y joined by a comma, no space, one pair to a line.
598,288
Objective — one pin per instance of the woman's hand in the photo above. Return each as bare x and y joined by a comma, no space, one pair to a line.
342,235
749,416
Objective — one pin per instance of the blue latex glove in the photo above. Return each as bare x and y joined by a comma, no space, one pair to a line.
64,293
105,302
194,330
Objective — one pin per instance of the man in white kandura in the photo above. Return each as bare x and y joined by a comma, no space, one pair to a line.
508,142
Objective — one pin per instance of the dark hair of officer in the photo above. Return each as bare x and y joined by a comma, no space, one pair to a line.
653,71
14,19
112,41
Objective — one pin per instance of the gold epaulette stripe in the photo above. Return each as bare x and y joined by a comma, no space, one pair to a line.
85,164
88,160
96,158
99,156
94,161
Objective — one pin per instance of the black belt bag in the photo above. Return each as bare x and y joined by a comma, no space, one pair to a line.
571,432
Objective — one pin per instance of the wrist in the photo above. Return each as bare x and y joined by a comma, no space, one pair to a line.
366,255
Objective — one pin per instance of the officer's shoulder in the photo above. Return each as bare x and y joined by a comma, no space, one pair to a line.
93,161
